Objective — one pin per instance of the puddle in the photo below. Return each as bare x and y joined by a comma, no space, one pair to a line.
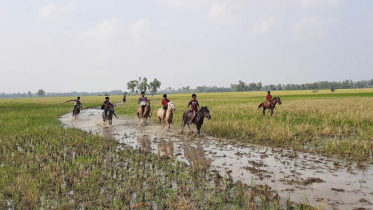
303,177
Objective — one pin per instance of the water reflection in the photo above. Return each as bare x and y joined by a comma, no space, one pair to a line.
166,149
196,157
145,143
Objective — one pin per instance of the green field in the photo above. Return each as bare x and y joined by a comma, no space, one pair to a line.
45,165
333,123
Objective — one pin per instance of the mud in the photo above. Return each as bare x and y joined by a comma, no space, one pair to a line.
303,177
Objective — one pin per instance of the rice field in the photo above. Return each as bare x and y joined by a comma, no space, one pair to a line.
332,123
43,165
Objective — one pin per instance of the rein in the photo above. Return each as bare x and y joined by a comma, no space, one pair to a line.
201,113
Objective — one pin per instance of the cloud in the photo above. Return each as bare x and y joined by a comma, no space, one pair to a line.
139,30
314,27
263,26
320,3
103,30
52,12
217,9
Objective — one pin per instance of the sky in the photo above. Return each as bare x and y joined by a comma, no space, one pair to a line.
92,45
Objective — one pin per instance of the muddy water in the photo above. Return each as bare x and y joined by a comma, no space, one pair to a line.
303,177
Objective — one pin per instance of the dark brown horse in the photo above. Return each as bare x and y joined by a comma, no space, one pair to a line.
198,120
76,111
270,105
144,116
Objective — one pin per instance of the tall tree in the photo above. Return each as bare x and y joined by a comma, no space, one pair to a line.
41,92
155,85
29,94
144,86
131,85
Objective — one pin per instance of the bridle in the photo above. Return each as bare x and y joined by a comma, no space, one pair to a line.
201,113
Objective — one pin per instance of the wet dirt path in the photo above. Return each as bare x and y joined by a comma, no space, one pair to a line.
303,177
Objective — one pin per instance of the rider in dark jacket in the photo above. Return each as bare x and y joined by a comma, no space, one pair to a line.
105,106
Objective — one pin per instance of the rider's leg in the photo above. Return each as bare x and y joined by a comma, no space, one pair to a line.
74,110
194,114
142,110
164,113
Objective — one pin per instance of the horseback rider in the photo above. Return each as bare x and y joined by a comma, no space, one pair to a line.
193,106
269,97
76,103
105,106
124,98
165,105
142,102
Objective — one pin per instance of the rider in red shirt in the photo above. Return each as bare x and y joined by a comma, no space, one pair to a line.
269,97
194,106
165,104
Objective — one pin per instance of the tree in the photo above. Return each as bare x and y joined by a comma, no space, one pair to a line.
131,85
144,84
41,92
29,94
259,85
155,85
252,86
279,87
241,86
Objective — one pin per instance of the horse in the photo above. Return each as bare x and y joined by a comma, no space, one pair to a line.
270,104
109,115
76,111
144,116
169,114
198,120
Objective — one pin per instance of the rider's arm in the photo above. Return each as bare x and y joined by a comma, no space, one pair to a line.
70,100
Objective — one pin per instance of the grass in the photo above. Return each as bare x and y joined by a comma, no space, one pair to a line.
43,165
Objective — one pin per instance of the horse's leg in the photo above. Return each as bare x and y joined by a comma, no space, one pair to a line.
271,112
264,111
198,128
182,127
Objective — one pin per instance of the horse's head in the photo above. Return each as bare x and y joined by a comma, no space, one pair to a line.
111,108
171,106
205,112
278,100
148,102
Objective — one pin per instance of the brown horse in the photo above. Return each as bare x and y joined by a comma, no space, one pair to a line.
270,105
169,114
144,116
198,119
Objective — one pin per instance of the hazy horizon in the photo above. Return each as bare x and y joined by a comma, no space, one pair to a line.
90,46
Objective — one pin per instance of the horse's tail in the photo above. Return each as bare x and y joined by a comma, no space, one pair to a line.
260,105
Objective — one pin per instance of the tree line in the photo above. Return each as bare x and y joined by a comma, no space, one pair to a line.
136,86
43,93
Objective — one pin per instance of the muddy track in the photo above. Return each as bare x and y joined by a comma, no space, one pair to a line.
302,177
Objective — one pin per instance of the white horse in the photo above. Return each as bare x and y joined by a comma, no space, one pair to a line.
169,114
